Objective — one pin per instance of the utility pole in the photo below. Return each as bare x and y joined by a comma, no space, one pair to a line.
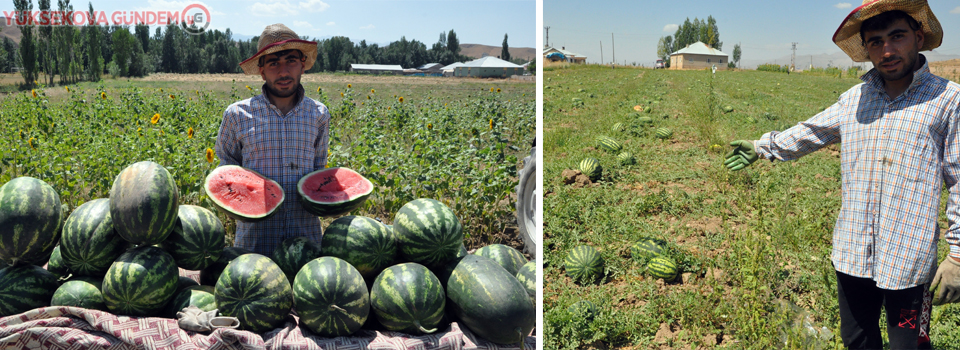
547,43
614,49
601,51
793,57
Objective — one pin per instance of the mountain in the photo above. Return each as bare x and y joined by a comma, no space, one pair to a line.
836,59
477,51
12,31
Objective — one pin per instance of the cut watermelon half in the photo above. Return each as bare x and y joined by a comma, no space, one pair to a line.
334,191
243,194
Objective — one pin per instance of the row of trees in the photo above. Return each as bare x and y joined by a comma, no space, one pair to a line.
690,32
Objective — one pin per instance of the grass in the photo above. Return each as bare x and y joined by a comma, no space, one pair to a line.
753,246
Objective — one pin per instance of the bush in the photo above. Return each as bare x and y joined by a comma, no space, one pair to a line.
113,69
768,67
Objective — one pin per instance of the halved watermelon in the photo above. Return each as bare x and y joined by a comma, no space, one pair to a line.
242,193
334,191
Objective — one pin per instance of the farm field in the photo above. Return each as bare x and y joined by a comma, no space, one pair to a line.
752,247
456,140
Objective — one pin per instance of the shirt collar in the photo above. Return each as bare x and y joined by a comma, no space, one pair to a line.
873,78
298,96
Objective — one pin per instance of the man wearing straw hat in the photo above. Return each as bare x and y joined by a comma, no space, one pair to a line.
280,133
899,130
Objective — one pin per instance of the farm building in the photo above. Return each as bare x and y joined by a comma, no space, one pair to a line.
561,54
448,70
376,68
430,68
698,56
488,67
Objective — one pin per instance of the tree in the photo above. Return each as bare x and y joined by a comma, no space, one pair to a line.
665,48
94,56
736,54
453,44
169,59
46,43
28,49
142,31
505,52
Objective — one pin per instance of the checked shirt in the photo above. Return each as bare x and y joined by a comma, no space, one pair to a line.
254,134
895,158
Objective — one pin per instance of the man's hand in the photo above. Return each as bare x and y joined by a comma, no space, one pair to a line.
741,156
946,283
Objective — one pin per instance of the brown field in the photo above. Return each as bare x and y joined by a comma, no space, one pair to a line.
949,69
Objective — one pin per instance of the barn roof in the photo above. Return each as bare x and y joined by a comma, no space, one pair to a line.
699,48
391,67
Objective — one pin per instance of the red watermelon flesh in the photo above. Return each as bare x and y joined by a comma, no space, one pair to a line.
242,193
333,191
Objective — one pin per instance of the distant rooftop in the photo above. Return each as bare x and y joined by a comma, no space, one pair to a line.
699,48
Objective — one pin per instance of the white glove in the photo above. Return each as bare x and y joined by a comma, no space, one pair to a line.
946,283
194,319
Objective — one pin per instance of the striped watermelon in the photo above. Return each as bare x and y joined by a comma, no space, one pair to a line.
363,242
211,274
511,259
185,282
25,287
645,120
30,218
253,289
664,133
608,144
584,264
528,277
89,244
583,309
243,194
199,296
294,252
490,301
333,191
331,297
408,298
56,266
591,167
197,238
626,158
647,248
140,282
663,267
143,203
428,232
618,127
82,292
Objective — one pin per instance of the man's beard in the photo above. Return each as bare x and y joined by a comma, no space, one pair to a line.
910,62
282,94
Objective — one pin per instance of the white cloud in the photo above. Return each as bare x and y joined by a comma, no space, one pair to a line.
303,24
331,23
956,10
671,28
314,6
369,26
275,8
843,5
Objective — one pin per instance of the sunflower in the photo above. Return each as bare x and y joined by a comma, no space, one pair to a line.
155,119
341,94
34,92
349,86
372,91
498,90
400,99
161,89
68,88
139,131
21,134
172,97
429,126
491,124
161,132
30,142
368,97
491,89
388,108
209,155
190,133
249,88
319,90
103,95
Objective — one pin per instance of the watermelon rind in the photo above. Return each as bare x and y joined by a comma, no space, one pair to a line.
210,274
584,264
83,291
363,242
294,252
663,267
427,232
408,298
511,259
591,167
608,144
25,287
528,277
30,221
224,207
331,297
332,208
490,301
185,282
140,282
253,289
89,244
199,296
143,203
56,266
197,238
646,248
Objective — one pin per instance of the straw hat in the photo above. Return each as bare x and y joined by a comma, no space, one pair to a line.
848,35
277,37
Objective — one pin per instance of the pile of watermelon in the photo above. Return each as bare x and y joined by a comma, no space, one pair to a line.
121,254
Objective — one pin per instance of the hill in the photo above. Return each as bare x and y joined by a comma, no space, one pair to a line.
12,32
477,51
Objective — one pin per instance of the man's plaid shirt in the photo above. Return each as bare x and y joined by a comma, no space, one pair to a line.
895,158
255,135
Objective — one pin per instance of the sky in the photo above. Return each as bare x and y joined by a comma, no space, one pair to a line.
764,29
376,21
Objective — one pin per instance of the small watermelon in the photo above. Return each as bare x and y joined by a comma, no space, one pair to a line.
210,275
331,297
663,267
428,232
647,248
363,242
664,133
618,127
253,289
90,244
243,194
199,296
140,282
25,287
511,259
626,158
333,191
143,203
30,221
490,301
584,264
293,253
408,298
591,167
608,144
83,291
583,309
197,238
645,120
528,277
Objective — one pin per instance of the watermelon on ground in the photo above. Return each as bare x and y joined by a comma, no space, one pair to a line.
428,232
490,301
508,257
243,194
30,219
663,267
197,238
333,191
363,242
584,264
253,289
25,287
408,298
210,274
591,167
293,253
143,203
331,297
583,309
83,291
90,244
140,282
647,248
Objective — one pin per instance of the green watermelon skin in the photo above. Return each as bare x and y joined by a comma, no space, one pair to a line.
140,282
591,167
143,203
185,282
363,242
626,158
253,289
83,291
608,144
197,238
408,298
357,189
89,244
663,267
428,232
583,309
331,297
200,296
511,259
294,252
258,199
490,301
647,248
528,277
584,264
30,219
664,133
210,275
56,266
25,287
